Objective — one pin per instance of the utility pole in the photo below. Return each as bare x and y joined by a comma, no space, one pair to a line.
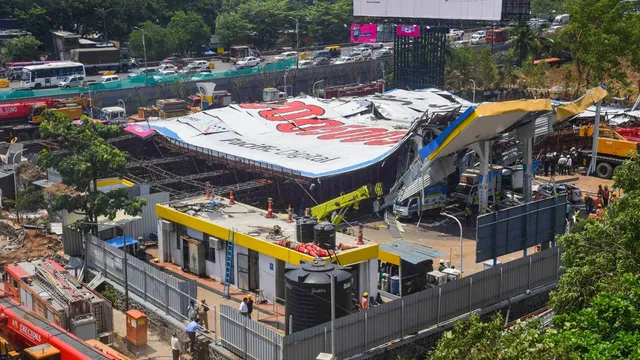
297,44
144,49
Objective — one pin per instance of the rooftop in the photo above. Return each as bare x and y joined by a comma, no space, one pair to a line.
251,226
411,252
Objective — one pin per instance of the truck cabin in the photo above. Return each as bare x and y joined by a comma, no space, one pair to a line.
113,114
11,279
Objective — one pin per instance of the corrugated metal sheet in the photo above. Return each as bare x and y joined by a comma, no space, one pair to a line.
164,291
54,176
148,222
72,241
361,331
412,252
247,338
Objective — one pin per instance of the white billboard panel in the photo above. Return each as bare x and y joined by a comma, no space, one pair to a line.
488,10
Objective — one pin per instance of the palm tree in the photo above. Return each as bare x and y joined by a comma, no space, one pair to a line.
523,42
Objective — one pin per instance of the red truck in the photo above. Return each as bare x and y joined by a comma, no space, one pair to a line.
15,118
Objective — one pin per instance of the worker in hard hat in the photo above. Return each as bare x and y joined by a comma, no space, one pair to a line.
249,305
442,266
600,211
614,196
364,302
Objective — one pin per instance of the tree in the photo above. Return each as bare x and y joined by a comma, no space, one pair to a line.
23,48
266,19
187,32
473,339
28,200
599,36
527,42
86,157
329,22
548,9
155,40
232,28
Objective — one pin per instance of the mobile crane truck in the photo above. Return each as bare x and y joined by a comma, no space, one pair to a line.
344,202
613,150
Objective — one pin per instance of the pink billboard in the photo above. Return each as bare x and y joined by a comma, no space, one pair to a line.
407,30
364,33
139,130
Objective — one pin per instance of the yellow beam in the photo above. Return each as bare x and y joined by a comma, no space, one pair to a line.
264,247
389,257
111,182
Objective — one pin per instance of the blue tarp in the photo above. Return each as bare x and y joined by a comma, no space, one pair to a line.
117,242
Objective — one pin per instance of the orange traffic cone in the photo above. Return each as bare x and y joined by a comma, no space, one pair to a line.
290,218
208,192
270,208
232,200
360,241
342,246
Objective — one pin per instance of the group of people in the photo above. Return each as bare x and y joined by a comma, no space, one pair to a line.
246,306
595,207
560,164
197,313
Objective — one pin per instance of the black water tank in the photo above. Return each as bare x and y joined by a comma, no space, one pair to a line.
324,235
304,229
308,294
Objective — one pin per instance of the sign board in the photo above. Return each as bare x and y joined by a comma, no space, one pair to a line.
303,136
364,33
141,131
516,228
488,10
408,30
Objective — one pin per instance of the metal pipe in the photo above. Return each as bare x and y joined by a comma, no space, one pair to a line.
333,316
15,180
460,225
474,90
596,133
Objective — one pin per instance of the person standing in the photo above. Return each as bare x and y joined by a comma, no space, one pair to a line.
605,196
376,208
192,311
467,215
364,302
175,346
243,309
569,165
600,212
192,327
588,204
562,165
202,314
249,305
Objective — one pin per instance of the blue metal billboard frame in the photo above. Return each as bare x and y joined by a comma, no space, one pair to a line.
520,227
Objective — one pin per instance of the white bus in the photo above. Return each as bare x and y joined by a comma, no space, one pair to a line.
47,75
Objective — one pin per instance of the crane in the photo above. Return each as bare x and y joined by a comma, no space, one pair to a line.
344,202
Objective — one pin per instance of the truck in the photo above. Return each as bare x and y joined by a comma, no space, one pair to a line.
238,52
613,149
468,186
435,199
100,59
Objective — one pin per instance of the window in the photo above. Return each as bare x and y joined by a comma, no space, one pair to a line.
210,251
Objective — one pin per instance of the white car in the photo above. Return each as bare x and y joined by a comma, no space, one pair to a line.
163,74
109,78
286,55
195,66
167,67
344,60
305,63
481,32
387,48
456,34
477,39
365,54
249,61
377,45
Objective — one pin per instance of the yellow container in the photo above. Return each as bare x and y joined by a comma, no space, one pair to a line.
4,83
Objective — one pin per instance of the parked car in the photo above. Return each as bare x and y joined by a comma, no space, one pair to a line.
249,61
286,55
137,72
477,39
561,189
108,79
71,81
321,61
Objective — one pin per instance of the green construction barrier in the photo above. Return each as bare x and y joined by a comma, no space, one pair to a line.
151,79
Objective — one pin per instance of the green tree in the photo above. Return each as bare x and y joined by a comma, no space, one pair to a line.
232,28
86,157
23,48
187,32
548,9
266,19
28,200
599,36
155,39
526,42
329,22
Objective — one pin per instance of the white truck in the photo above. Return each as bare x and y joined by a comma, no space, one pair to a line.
435,199
470,181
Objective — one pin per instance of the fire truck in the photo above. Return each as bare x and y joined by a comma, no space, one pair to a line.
26,336
50,291
21,120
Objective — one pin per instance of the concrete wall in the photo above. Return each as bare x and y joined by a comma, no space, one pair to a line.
267,268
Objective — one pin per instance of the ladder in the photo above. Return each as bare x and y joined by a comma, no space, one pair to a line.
229,262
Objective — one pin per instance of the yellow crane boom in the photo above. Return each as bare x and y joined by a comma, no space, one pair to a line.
344,202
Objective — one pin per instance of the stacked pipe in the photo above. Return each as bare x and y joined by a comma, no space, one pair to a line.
310,249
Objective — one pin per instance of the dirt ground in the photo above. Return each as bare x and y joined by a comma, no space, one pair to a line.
35,245
588,184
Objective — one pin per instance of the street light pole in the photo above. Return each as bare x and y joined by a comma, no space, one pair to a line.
15,180
474,90
460,225
297,44
146,68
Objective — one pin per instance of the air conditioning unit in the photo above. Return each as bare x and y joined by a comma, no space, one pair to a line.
216,243
167,225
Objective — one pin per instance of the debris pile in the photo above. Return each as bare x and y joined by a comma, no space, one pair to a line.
11,237
28,172
60,189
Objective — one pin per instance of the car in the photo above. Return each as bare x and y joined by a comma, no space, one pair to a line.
481,32
174,60
165,75
167,67
321,61
305,63
344,60
456,34
71,81
477,39
285,55
202,76
377,46
460,43
388,48
108,79
366,54
195,66
382,54
137,72
561,189
322,54
208,53
364,46
249,61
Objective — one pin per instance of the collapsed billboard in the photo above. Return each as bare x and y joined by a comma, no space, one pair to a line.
408,30
303,135
430,9
364,33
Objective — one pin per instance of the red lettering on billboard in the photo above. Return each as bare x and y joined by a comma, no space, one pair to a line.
303,119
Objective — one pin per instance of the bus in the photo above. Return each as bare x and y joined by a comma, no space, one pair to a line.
47,75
